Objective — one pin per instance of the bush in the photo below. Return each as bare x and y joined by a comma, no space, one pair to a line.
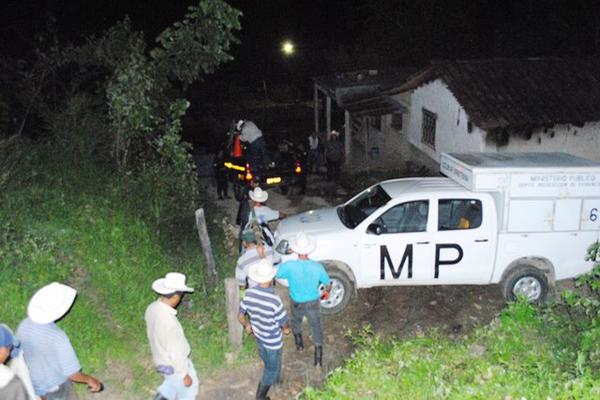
80,129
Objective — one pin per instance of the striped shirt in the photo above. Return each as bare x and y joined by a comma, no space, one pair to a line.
267,316
48,353
249,258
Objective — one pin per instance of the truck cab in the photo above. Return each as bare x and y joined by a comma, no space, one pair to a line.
481,224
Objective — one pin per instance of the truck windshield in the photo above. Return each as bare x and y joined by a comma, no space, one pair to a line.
353,213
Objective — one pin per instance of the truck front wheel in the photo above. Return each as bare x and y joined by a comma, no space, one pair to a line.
342,291
525,281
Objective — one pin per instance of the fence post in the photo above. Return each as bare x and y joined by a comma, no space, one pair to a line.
232,303
211,269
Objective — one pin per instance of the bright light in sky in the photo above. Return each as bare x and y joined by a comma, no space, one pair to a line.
288,48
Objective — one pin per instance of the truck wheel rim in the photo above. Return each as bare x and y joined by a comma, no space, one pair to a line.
529,287
336,295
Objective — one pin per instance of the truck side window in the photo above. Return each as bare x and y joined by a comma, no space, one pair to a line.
405,217
456,214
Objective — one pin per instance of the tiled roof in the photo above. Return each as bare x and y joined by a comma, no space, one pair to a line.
519,93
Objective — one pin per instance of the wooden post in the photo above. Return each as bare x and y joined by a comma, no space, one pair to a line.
232,303
211,269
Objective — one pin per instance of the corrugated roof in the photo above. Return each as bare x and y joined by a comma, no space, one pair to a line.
362,92
517,93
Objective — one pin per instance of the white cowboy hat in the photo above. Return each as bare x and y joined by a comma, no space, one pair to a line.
50,303
171,283
303,244
239,124
259,195
262,272
334,133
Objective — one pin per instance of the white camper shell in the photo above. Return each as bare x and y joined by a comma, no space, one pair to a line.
523,220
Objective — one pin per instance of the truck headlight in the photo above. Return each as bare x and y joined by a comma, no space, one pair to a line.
283,247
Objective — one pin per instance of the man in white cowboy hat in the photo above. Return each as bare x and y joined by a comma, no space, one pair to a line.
268,320
52,362
169,346
304,278
262,214
257,148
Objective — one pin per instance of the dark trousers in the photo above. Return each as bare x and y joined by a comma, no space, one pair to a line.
314,160
333,170
312,311
222,185
272,361
257,153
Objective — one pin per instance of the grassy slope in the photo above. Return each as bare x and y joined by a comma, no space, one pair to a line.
514,358
69,224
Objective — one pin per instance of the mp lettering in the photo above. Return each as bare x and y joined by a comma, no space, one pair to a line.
438,261
385,258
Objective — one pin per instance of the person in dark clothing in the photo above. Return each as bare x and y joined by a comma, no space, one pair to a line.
334,154
221,174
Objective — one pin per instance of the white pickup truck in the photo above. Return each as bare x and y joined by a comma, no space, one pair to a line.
524,220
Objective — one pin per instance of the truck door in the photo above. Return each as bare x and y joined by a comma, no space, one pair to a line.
464,240
396,248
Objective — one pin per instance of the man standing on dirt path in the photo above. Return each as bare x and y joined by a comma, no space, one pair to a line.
253,253
334,155
169,346
52,362
261,214
304,278
268,320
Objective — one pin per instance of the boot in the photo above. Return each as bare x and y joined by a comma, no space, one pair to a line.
319,356
299,342
261,391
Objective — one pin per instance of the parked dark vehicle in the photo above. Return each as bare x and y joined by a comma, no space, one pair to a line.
287,171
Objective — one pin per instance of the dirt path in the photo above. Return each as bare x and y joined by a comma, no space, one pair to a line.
390,311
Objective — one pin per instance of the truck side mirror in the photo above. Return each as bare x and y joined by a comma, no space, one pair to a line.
375,229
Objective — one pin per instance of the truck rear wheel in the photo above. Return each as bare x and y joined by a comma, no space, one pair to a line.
525,281
341,294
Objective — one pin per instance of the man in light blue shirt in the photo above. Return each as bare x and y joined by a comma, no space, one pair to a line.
48,352
304,277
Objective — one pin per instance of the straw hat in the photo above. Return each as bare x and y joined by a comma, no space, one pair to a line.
171,283
259,195
262,272
50,303
303,244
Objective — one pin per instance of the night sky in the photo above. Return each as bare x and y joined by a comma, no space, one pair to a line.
312,25
371,33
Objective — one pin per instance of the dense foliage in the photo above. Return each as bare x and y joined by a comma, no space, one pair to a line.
119,101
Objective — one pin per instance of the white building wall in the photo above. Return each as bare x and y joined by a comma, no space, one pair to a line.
580,141
451,131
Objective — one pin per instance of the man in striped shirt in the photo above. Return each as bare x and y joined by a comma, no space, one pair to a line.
252,254
268,320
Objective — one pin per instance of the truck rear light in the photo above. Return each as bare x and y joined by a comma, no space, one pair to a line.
298,168
249,175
